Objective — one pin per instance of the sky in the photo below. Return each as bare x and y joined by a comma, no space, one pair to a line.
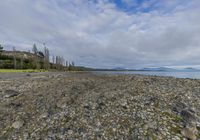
106,33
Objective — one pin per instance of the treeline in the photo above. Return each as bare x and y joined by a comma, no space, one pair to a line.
36,59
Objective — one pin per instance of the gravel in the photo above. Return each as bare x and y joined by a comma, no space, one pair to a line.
82,105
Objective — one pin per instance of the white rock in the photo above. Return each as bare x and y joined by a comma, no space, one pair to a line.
17,124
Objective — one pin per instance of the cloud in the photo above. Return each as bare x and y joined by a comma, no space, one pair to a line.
97,33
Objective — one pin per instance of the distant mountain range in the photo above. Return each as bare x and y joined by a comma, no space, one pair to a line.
164,69
157,69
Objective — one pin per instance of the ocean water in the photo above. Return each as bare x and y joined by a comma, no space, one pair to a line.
177,74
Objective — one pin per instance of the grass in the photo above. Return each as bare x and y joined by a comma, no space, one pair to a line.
20,70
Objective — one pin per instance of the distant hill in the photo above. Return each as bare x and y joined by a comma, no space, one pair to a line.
162,69
158,69
189,69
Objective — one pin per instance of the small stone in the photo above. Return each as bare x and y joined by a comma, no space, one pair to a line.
123,102
70,132
61,105
151,125
44,115
17,124
28,74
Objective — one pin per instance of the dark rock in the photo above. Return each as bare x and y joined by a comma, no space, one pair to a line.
178,107
151,100
64,130
188,117
87,107
125,107
28,74
100,106
15,105
10,93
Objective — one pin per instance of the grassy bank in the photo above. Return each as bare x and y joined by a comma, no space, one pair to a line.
20,70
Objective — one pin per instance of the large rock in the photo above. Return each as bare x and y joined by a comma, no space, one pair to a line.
188,117
10,93
189,133
18,124
178,107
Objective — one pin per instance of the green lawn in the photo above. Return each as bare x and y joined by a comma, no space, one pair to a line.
18,70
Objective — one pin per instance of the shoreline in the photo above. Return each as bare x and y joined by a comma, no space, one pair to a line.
82,105
15,75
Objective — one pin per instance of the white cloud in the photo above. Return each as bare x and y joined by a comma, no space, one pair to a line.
100,35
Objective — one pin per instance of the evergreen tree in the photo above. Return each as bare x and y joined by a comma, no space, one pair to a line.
34,49
66,64
14,58
46,57
1,48
73,64
21,63
41,54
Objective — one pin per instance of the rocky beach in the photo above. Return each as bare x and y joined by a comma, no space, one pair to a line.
87,106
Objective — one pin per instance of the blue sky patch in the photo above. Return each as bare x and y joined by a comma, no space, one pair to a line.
132,5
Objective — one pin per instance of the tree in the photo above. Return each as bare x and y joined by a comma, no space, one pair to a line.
60,62
57,62
35,51
14,58
73,64
46,57
66,63
1,48
41,54
21,63
36,63
53,59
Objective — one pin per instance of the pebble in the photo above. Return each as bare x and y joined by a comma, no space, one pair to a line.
86,106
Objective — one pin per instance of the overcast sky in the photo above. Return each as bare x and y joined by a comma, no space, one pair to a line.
106,33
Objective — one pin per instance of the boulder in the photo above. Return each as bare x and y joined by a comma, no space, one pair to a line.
188,117
189,133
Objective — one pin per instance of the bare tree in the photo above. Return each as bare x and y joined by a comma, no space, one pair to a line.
14,58
53,59
56,62
46,57
1,48
60,62
35,49
66,63
21,63
73,64
36,63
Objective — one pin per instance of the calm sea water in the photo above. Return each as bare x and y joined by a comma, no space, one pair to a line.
193,75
